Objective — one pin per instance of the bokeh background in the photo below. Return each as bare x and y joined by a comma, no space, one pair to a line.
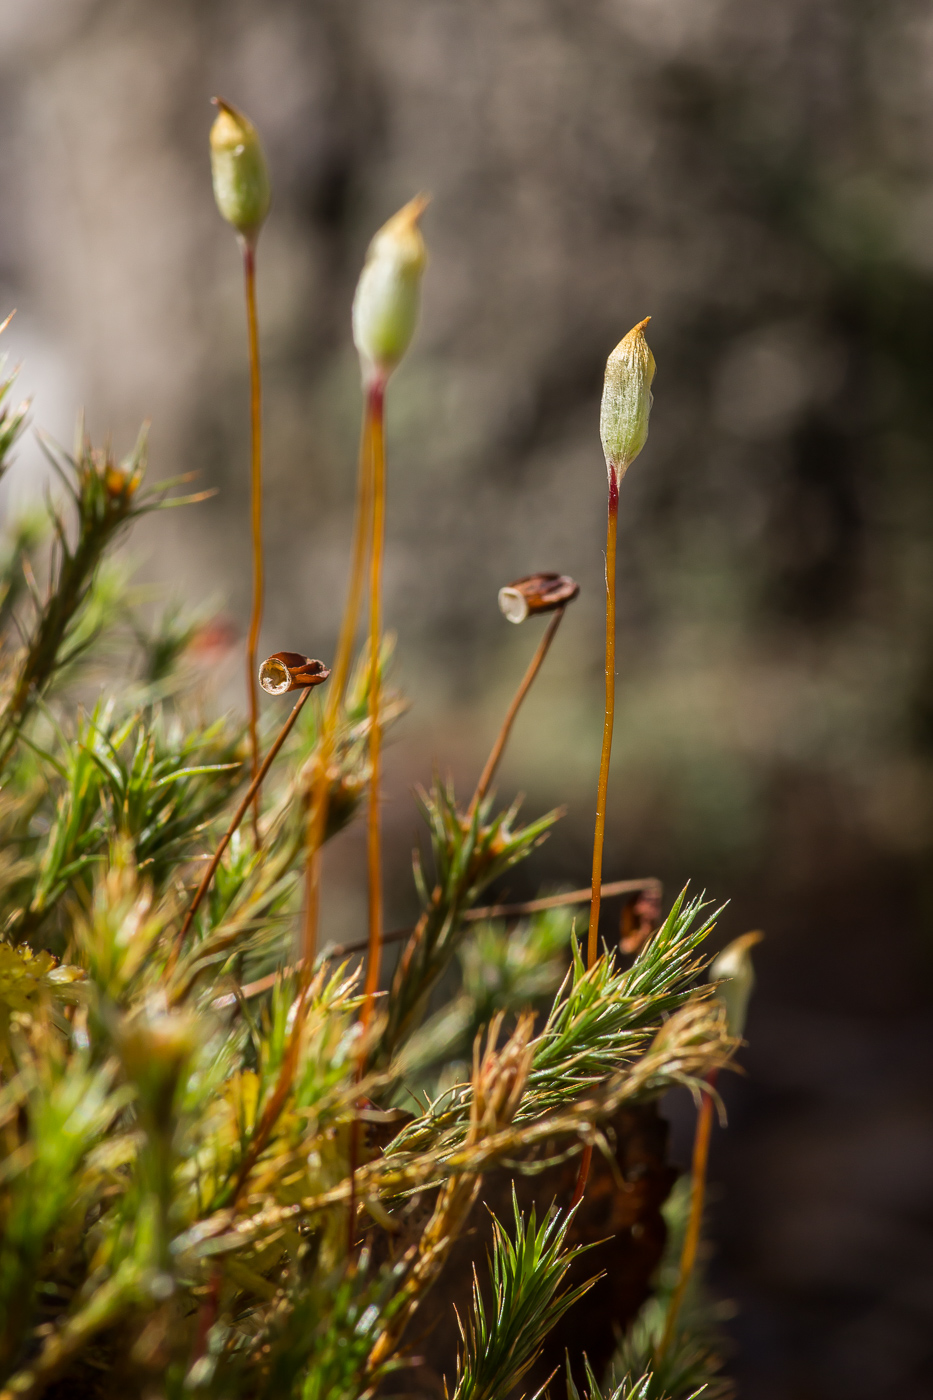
759,179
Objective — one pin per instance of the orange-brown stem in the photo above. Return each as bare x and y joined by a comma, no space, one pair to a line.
361,535
376,394
351,1202
255,418
603,788
238,816
375,419
498,747
276,1102
477,915
317,815
691,1243
599,835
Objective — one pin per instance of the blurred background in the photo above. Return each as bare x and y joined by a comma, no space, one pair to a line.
757,178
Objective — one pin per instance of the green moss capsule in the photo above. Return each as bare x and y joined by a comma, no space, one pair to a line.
626,405
239,171
388,294
733,969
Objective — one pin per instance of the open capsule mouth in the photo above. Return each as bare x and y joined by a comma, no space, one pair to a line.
513,604
538,593
274,676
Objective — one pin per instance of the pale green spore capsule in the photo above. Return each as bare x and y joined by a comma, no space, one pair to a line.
733,969
239,170
626,405
388,294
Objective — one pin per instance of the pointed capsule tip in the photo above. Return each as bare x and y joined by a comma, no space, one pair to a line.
637,333
734,971
408,218
418,205
239,170
745,941
387,299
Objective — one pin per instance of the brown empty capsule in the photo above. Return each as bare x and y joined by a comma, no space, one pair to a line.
538,593
289,670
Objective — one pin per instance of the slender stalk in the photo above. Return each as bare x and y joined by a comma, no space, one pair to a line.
320,793
361,534
352,1163
695,1220
313,883
317,816
556,901
255,417
375,414
238,816
276,1102
611,532
498,747
376,410
603,788
469,916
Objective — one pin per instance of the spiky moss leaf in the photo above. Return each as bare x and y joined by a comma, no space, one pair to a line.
600,1020
106,496
468,855
643,1387
501,1342
65,1104
504,969
607,1015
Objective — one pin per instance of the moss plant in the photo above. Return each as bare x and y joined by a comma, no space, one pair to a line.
243,195
623,427
226,1169
385,315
